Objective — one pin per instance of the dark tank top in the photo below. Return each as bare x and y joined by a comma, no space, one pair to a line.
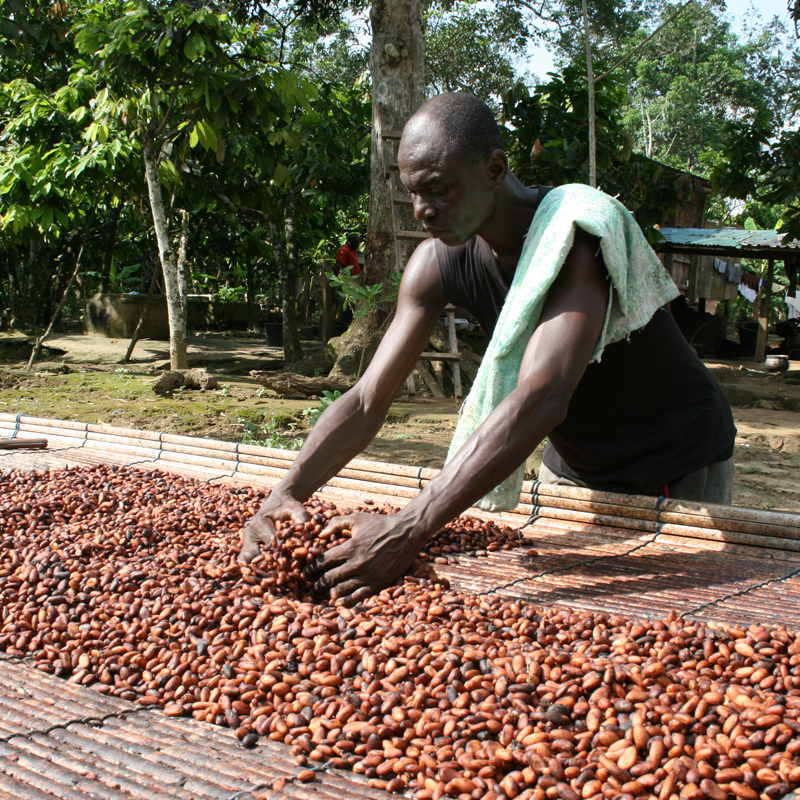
647,414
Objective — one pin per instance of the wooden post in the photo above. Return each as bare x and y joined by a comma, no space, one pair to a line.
591,86
451,333
763,316
327,303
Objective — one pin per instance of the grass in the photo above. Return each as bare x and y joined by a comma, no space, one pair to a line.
126,399
269,434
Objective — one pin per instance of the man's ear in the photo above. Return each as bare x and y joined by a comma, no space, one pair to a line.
497,167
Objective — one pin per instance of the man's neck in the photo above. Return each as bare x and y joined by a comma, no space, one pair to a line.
506,229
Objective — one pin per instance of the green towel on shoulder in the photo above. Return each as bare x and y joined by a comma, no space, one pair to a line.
640,286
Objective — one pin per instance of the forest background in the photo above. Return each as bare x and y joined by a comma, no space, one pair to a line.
225,148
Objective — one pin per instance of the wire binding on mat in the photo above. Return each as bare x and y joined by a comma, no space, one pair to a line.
761,585
16,426
534,501
585,562
85,434
419,479
160,447
659,522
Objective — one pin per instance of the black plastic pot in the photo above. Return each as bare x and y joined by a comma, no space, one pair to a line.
274,331
747,335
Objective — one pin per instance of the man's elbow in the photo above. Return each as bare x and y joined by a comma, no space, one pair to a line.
372,403
556,407
548,405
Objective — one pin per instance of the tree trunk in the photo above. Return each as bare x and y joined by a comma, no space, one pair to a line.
292,350
137,334
250,283
291,341
31,305
176,306
397,68
591,87
37,349
327,302
183,261
108,255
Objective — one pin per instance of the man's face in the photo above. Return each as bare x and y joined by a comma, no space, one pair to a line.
453,197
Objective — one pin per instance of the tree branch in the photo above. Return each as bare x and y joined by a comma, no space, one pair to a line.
232,205
639,47
168,112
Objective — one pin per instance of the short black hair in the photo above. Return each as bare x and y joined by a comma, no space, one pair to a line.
469,124
353,237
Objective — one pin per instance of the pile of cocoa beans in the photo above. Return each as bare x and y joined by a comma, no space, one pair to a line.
127,581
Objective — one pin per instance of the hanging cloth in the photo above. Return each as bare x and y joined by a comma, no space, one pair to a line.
639,287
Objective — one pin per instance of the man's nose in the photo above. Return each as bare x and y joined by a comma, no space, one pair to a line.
422,208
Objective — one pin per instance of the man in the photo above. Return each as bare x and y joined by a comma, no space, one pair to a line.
348,256
646,415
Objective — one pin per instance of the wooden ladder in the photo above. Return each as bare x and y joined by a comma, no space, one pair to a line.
389,139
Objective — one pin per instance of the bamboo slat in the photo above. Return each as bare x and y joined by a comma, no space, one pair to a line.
395,483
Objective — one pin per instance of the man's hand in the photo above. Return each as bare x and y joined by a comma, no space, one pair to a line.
261,528
380,551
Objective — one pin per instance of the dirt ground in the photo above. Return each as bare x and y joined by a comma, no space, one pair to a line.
80,378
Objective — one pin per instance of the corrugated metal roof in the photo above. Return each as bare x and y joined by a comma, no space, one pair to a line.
725,238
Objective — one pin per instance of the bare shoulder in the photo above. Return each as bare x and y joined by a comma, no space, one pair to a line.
422,282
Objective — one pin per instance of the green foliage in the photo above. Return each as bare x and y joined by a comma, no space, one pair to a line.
763,168
268,433
550,145
231,294
362,299
695,75
460,42
328,397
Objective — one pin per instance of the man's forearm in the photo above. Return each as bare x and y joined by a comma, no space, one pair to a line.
344,429
503,442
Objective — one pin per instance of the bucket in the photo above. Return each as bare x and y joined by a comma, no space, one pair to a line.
274,331
748,331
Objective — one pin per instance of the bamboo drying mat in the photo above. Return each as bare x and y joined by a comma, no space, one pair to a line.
64,741
633,555
636,556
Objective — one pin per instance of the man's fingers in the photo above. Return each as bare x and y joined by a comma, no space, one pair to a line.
300,515
250,549
339,524
358,595
333,575
254,535
346,588
322,563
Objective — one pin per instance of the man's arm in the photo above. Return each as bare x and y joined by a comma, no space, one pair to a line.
348,425
383,547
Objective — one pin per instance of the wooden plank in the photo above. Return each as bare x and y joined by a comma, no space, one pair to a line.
455,357
453,340
328,311
763,315
424,371
412,236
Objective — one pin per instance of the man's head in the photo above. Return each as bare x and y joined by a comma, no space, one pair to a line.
452,160
353,241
